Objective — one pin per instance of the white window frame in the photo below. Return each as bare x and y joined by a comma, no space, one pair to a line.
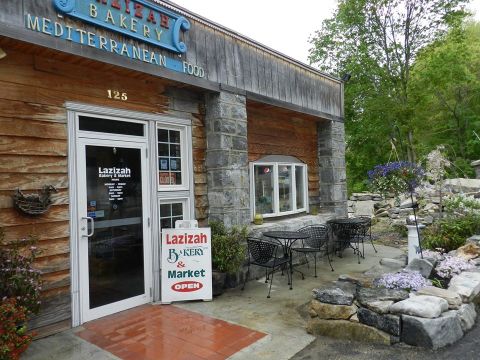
185,150
184,200
276,197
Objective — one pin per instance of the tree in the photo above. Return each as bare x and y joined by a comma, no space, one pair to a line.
377,41
445,89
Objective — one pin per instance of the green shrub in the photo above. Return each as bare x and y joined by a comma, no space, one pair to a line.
228,247
451,233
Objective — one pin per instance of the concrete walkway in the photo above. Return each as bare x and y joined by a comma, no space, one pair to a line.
278,316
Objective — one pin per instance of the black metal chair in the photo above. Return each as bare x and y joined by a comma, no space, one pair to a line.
316,243
264,254
368,221
349,234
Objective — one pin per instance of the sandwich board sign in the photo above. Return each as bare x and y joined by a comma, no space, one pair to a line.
186,263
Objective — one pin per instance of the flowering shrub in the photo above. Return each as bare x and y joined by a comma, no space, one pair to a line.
463,205
451,232
452,265
18,278
433,255
13,337
396,177
406,280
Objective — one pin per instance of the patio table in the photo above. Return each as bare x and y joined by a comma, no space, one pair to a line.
344,230
287,239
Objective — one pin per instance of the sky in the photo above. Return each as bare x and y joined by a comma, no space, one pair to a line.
270,21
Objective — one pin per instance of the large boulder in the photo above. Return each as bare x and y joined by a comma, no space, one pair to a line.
466,314
380,307
422,306
334,295
466,284
469,251
454,300
368,295
431,333
343,329
356,279
423,266
387,323
462,185
330,311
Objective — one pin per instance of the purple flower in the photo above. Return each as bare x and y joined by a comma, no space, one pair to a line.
452,265
407,280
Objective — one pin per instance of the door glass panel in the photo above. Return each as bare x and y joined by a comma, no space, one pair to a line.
114,200
87,123
169,213
263,189
285,188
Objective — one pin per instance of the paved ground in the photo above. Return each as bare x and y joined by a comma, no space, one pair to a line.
280,319
467,348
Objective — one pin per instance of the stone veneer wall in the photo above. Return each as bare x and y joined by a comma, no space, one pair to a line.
331,158
227,158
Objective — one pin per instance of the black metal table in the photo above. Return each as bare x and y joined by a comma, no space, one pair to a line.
344,230
287,239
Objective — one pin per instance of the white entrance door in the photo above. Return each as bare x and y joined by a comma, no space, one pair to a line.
113,232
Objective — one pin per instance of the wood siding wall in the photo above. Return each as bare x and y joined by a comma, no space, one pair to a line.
273,132
34,86
226,57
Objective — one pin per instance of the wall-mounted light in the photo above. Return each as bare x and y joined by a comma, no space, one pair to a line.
2,53
346,77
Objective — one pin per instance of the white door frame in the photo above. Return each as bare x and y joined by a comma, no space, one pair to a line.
91,314
76,141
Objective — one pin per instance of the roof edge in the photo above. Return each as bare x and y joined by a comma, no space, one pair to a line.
185,12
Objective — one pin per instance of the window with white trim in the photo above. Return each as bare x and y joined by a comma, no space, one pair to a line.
279,186
172,154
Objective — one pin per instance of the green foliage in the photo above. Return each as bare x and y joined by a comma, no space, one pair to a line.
228,247
450,233
18,278
462,205
392,109
13,337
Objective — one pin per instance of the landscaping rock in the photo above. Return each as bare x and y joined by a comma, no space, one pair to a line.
475,239
423,266
329,311
431,333
467,315
462,185
408,203
333,295
387,323
369,295
378,270
354,318
392,263
454,300
469,251
357,279
466,284
422,306
343,329
380,307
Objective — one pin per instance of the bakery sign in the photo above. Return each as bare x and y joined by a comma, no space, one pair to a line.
186,264
135,19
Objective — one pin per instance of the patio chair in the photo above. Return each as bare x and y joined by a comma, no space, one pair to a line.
264,254
368,221
349,234
317,243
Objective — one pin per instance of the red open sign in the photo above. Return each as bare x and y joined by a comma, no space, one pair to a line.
187,286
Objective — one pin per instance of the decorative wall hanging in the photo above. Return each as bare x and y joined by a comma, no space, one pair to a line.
34,204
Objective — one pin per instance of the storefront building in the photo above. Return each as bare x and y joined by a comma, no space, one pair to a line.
140,113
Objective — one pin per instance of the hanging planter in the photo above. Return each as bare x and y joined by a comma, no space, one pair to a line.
34,204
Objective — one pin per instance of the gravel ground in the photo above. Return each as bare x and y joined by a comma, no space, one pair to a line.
468,348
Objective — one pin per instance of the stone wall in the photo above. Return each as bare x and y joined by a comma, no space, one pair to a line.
227,158
331,159
431,317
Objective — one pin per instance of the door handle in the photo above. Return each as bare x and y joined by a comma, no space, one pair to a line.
89,219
